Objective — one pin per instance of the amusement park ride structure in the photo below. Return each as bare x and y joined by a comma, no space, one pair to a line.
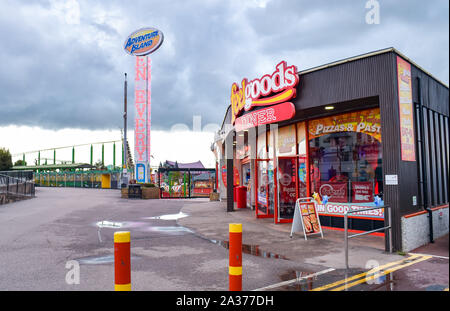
55,172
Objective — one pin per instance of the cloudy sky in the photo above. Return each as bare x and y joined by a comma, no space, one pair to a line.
62,62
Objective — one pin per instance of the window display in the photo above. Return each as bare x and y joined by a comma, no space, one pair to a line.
345,157
265,191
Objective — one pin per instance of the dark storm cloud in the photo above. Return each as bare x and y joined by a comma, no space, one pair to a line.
60,69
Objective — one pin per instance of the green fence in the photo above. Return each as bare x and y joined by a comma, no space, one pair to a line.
77,179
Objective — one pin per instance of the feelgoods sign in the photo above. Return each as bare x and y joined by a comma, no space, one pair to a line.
283,81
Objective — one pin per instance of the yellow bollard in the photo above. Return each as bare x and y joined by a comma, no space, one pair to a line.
122,266
235,257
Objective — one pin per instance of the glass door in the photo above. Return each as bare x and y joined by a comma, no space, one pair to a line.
287,184
292,183
264,190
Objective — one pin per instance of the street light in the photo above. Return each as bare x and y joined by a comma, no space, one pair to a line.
125,149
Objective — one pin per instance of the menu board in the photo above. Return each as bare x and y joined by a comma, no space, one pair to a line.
306,219
309,218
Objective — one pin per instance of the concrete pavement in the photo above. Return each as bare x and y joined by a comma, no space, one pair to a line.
211,220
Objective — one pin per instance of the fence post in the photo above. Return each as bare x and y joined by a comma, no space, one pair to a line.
346,238
122,262
235,257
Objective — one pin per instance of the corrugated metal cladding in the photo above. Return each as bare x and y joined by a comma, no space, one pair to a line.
374,76
433,96
357,79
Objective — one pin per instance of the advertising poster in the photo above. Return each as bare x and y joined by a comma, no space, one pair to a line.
309,218
362,192
286,140
336,191
224,175
142,121
405,110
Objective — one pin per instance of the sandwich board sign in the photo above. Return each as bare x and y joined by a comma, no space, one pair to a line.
306,218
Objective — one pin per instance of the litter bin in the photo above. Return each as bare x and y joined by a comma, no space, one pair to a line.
134,191
241,194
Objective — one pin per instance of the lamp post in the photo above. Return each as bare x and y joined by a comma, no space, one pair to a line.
125,163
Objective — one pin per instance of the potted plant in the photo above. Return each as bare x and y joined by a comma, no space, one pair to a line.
150,191
124,191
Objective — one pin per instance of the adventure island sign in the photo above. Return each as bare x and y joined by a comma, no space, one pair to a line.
143,41
281,85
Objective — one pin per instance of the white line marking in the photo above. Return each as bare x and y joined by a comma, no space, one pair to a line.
294,280
442,257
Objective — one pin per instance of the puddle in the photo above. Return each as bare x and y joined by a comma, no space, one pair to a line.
169,216
99,260
108,224
251,250
119,224
302,283
436,287
169,229
382,283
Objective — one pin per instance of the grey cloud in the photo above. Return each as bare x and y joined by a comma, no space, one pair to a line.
54,75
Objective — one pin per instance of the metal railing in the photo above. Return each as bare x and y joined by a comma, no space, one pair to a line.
389,227
15,187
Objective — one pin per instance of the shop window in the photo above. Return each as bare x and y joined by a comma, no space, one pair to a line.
265,191
346,167
270,140
301,138
345,157
285,141
261,145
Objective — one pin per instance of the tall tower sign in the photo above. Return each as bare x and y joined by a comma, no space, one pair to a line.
140,44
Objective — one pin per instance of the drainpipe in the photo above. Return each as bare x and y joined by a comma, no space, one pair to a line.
423,165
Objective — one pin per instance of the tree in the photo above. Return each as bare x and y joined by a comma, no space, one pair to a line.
20,163
5,159
99,165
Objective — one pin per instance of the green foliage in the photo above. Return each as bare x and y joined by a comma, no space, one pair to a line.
20,163
5,159
99,165
148,185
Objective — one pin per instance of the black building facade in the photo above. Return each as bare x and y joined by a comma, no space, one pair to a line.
399,153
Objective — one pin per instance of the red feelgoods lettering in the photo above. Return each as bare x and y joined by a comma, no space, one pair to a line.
283,80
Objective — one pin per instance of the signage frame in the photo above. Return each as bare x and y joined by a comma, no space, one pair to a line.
299,219
150,30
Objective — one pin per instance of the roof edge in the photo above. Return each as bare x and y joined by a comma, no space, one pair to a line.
370,54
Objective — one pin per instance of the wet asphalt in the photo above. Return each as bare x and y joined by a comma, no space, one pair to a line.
170,250
40,236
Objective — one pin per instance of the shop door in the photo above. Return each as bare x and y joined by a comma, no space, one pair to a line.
292,183
264,190
287,186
